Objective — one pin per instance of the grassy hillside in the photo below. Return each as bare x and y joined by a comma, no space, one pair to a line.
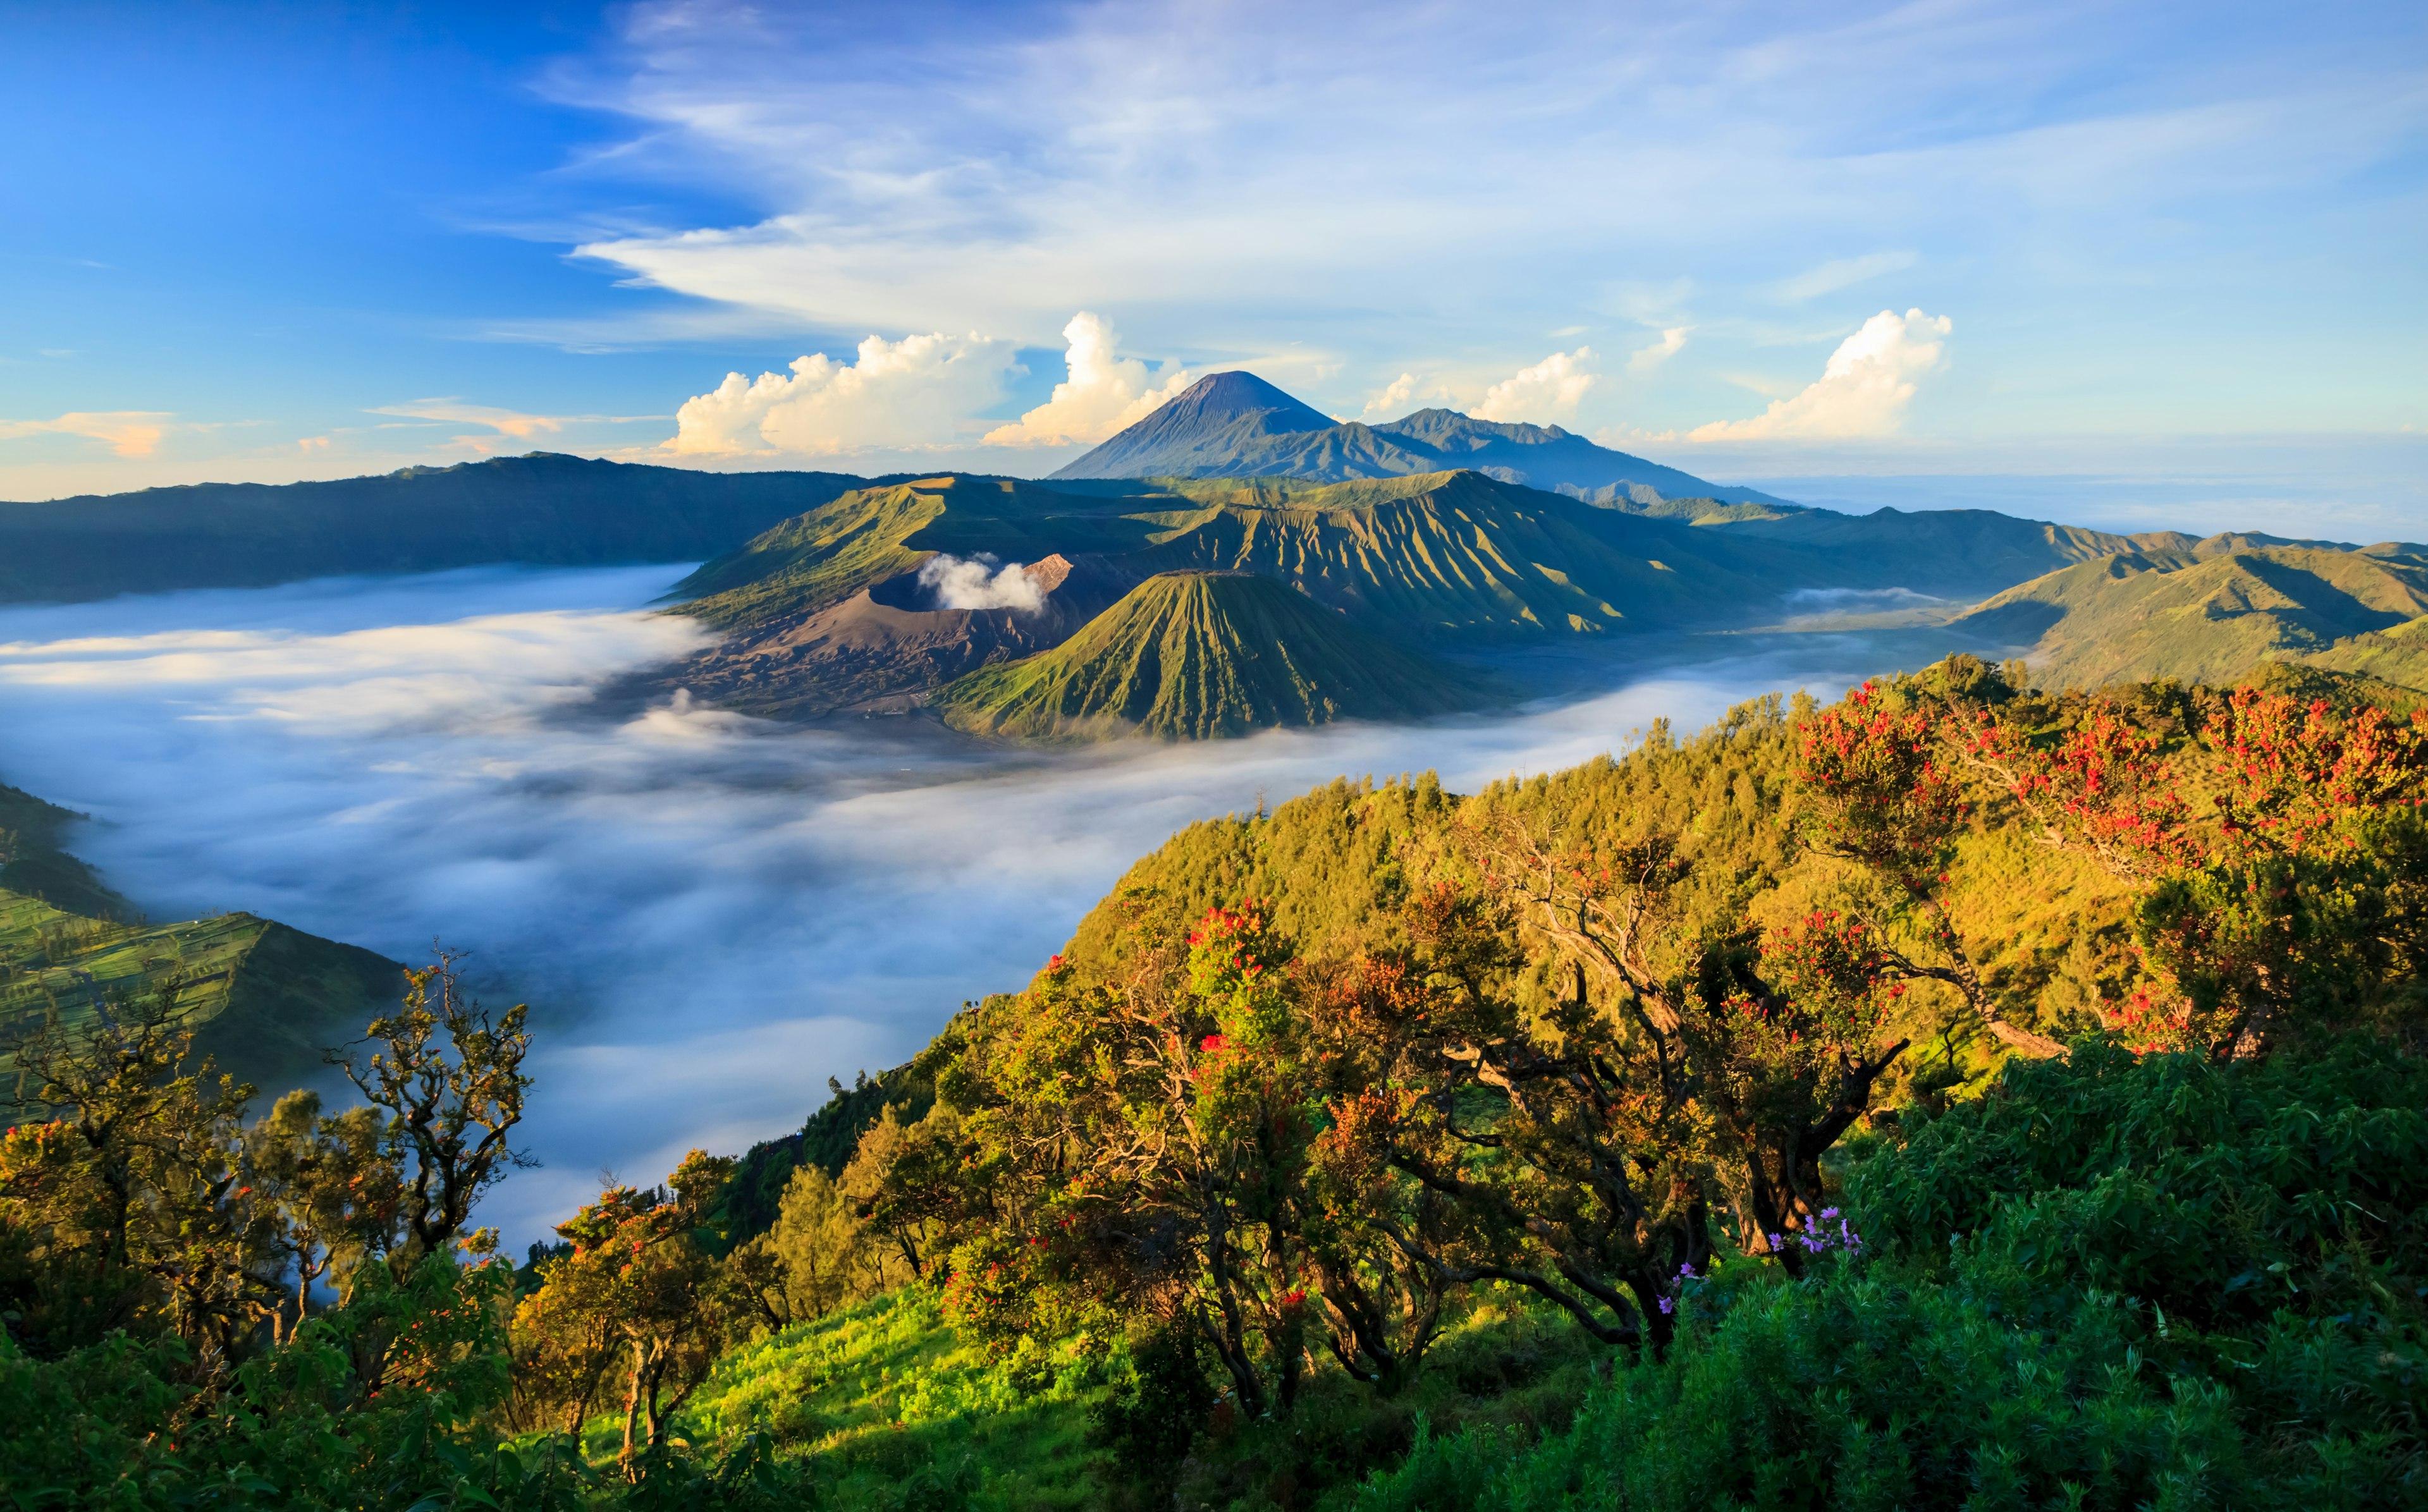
900,1412
540,509
34,865
818,560
2212,617
1954,553
1460,555
1192,655
265,997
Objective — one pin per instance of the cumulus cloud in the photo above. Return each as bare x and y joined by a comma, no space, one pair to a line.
1394,395
129,432
977,582
1550,390
1864,392
1104,392
900,396
1645,359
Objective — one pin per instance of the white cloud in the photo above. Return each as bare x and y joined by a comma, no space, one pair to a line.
505,422
1103,392
900,395
511,424
977,582
1645,359
1864,392
1394,394
1547,391
129,432
1844,273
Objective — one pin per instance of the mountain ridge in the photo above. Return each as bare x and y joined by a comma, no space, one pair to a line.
1194,655
2215,610
541,508
1204,432
262,996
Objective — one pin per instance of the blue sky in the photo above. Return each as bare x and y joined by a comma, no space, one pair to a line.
2128,263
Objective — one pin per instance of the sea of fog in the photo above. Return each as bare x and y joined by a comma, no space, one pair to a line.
710,914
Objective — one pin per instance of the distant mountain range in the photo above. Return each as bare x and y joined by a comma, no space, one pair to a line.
1236,425
542,509
2215,609
830,610
1436,534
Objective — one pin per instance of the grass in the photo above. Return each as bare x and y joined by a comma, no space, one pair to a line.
888,1407
898,1411
263,997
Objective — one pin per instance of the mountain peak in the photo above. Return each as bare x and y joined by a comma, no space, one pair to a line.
1213,417
1221,396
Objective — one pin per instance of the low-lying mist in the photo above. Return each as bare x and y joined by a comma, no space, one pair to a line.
710,914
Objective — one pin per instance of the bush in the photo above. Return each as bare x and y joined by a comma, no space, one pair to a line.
2111,1283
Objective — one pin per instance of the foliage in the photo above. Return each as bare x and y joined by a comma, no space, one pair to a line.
2171,1284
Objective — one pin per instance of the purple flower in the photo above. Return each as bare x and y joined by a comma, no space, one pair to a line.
1668,1306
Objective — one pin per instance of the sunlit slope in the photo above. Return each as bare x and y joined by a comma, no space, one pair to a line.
1194,655
1460,554
1956,553
2175,614
2396,656
263,998
33,863
818,559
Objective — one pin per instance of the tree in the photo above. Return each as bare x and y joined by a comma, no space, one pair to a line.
822,1247
1140,1143
2289,906
448,1076
638,1299
1879,787
132,1193
337,1186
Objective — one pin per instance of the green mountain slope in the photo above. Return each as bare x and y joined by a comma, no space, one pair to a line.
1954,553
1195,653
264,997
1463,555
540,509
2397,656
2183,614
867,535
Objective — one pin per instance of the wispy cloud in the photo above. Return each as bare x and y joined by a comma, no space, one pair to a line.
129,432
1104,158
1672,342
512,424
1844,273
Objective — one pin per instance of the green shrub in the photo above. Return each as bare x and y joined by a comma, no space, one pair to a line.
2110,1283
